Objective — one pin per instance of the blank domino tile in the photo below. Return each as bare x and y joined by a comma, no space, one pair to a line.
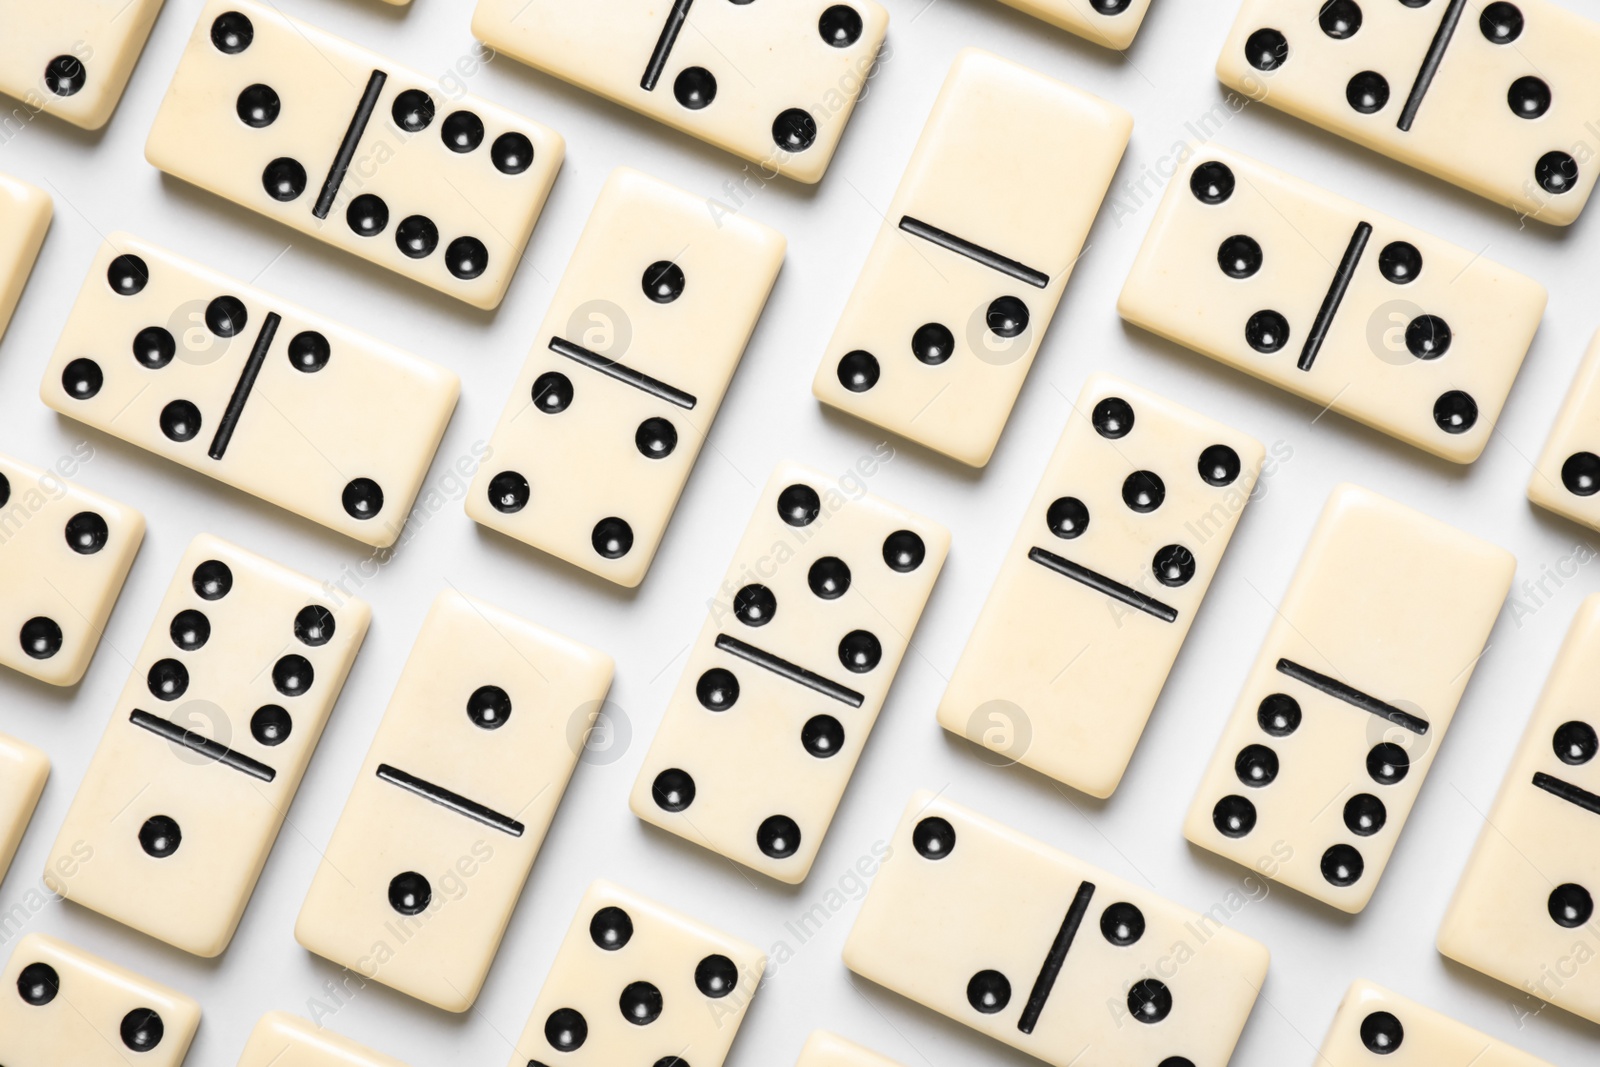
206,746
59,1005
973,256
252,390
24,217
1112,23
772,83
23,770
789,672
638,983
1377,1028
1567,476
349,148
453,801
1492,97
629,369
64,555
827,1050
1037,949
1098,592
1354,311
1350,697
72,58
1524,911
283,1040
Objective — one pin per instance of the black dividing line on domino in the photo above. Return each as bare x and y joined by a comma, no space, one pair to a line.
626,375
347,147
443,797
1352,696
1430,63
977,253
1567,791
784,669
1101,584
1335,295
212,750
669,37
1056,959
242,388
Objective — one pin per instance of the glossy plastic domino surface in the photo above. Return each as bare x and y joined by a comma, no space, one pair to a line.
349,148
1499,98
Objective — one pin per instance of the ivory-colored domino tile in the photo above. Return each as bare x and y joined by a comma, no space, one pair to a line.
1524,910
206,746
284,1040
1350,697
453,801
772,83
1112,23
24,217
1357,312
252,390
348,148
1375,1026
23,770
800,645
1098,591
628,371
71,58
1493,97
61,1006
1037,949
64,555
829,1050
1567,476
638,983
972,257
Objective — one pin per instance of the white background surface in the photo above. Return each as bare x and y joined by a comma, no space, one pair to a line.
102,183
